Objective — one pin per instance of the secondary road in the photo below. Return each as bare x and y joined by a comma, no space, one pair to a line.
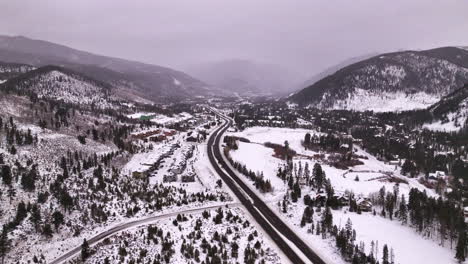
266,218
144,221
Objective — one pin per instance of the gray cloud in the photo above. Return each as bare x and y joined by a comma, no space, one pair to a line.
307,35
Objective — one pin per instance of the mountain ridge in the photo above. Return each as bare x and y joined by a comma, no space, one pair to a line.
389,78
156,82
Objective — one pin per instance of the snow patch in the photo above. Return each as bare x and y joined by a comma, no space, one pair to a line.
139,115
363,100
176,82
454,121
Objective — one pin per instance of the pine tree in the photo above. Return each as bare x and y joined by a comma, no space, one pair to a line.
318,176
21,213
307,140
460,254
36,216
4,243
349,228
307,173
285,206
85,252
6,174
57,219
385,255
403,211
47,230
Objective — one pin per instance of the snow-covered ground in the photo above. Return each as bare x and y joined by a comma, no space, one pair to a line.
166,120
161,118
455,120
236,229
277,135
362,100
69,88
409,247
443,127
373,175
257,157
122,197
139,115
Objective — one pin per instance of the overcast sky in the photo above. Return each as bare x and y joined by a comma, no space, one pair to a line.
307,35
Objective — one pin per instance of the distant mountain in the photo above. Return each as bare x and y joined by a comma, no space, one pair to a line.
152,81
245,77
331,70
450,113
390,82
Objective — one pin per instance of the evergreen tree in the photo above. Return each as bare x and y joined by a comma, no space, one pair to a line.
21,213
6,174
85,251
460,254
36,216
47,230
307,139
4,243
318,176
403,211
57,219
385,255
28,180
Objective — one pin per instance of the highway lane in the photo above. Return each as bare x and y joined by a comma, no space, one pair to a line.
144,221
269,221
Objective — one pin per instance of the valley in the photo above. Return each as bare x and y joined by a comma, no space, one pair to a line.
366,165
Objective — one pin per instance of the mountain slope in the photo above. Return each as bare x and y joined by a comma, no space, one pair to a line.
331,70
246,77
389,82
59,84
450,113
153,81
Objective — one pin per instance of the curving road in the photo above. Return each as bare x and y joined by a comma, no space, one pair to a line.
144,221
267,219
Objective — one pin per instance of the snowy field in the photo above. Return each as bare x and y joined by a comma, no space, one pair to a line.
163,119
277,135
373,175
166,120
259,158
409,246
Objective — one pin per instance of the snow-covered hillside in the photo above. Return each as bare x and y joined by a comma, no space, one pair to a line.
452,122
390,82
58,84
364,100
451,113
